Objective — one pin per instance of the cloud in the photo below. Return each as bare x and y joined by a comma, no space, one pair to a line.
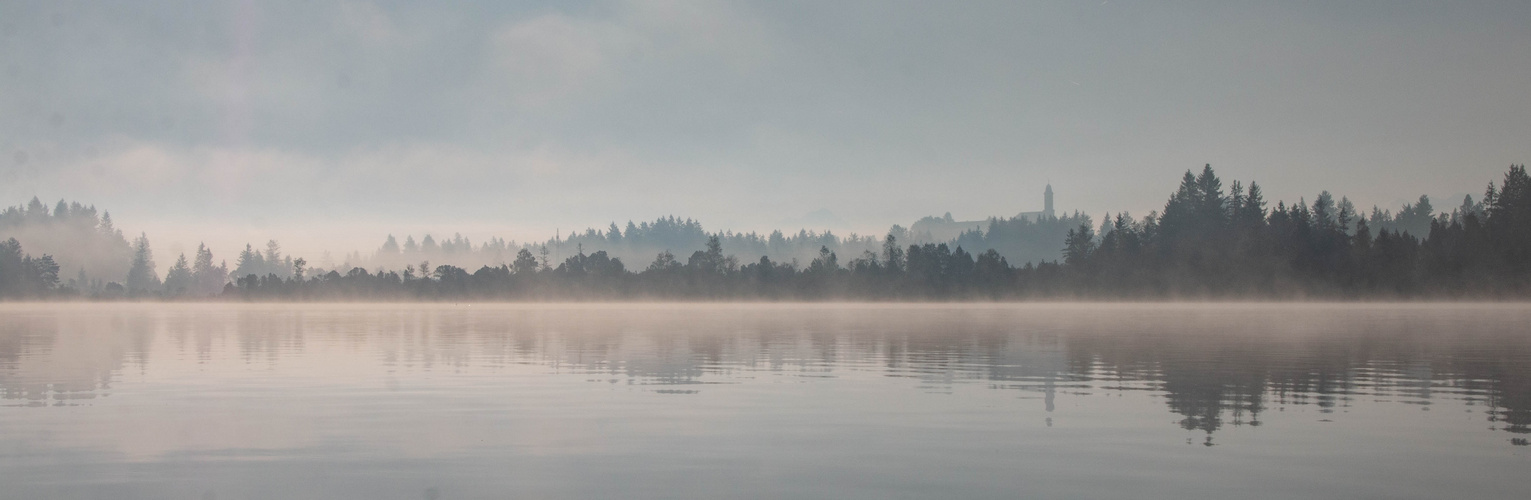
409,179
556,57
722,32
357,113
551,57
367,22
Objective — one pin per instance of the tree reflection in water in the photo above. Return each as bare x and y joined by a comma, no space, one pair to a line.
1214,365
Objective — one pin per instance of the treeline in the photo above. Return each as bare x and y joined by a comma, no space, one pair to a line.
83,254
1208,242
88,247
1022,239
633,242
930,271
1212,243
24,276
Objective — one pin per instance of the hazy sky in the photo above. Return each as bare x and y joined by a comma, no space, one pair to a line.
330,124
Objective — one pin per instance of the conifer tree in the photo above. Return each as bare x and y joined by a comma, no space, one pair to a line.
141,276
178,280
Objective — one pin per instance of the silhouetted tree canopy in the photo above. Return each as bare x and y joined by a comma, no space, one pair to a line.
1208,242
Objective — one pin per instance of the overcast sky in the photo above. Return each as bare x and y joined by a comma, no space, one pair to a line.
329,124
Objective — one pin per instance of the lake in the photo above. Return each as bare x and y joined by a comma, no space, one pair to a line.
448,401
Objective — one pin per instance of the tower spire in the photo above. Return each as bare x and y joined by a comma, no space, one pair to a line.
1047,201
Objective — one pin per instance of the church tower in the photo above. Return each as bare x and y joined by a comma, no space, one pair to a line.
1047,201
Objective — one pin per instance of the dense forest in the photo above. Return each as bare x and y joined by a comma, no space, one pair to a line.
1208,243
84,242
636,242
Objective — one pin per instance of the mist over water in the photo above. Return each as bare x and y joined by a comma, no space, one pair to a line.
764,401
298,249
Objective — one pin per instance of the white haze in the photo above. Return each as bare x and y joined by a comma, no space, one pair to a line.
328,125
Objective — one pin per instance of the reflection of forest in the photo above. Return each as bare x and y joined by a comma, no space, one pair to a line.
1214,365
46,362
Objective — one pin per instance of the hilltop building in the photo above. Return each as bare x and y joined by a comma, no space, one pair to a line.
938,229
1047,207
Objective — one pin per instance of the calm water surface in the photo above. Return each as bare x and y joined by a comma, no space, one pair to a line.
764,401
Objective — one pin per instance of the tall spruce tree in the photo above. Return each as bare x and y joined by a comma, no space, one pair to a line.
141,275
